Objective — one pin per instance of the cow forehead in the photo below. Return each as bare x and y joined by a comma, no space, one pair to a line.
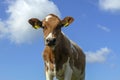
48,17
51,21
51,17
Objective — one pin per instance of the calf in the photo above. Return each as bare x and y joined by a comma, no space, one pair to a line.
63,59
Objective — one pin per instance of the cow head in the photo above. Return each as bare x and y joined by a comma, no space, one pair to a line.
51,26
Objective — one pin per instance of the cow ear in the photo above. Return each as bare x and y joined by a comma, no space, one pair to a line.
36,23
67,21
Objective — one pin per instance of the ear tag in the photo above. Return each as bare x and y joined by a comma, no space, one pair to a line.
66,24
36,27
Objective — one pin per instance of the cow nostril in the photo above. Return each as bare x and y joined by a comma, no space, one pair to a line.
54,40
47,40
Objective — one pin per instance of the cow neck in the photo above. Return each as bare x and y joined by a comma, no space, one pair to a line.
61,51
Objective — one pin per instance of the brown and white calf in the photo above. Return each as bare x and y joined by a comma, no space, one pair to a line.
63,58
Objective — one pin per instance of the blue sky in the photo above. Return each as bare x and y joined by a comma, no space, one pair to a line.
95,29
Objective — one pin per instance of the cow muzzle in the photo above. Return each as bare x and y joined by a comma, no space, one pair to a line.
50,41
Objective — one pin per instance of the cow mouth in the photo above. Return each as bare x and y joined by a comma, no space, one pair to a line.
50,44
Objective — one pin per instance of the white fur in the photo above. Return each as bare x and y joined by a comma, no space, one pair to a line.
47,18
49,73
48,76
49,36
68,71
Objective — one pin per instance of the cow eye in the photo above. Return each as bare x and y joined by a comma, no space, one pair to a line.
44,27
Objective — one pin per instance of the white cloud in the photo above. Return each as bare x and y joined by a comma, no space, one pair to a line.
19,30
99,56
110,5
104,28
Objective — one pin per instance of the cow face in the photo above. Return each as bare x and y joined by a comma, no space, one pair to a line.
51,27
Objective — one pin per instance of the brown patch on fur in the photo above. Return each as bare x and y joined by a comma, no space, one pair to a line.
58,55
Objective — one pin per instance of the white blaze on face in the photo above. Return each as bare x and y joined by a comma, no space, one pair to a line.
48,17
49,36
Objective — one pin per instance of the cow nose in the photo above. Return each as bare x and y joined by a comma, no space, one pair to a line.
51,42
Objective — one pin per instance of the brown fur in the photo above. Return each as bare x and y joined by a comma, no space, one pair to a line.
58,55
